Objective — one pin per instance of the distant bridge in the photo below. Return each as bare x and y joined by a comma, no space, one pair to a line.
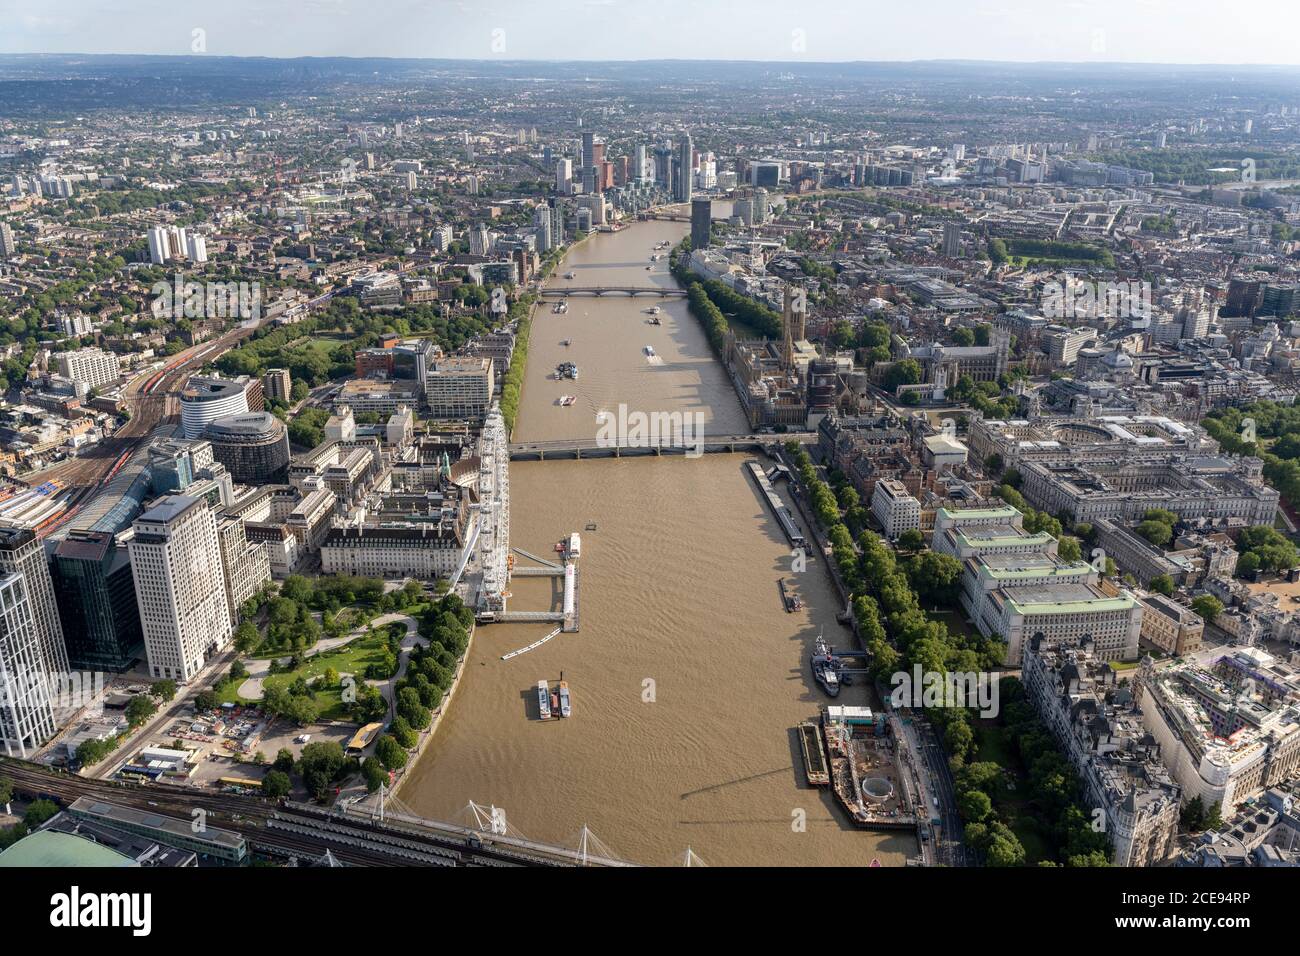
580,448
560,291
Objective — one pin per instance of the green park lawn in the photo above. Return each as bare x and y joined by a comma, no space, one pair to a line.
352,658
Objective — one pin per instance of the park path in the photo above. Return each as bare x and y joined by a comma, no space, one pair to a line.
260,668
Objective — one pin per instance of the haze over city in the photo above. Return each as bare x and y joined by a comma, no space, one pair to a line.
1062,31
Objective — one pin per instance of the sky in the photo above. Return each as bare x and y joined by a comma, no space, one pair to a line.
1135,31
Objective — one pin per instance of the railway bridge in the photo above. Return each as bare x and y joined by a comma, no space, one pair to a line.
579,448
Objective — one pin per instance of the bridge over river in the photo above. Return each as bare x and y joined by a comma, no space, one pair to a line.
592,448
599,290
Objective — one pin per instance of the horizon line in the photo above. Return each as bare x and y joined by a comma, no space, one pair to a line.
966,61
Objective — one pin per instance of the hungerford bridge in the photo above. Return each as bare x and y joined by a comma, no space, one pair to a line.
592,448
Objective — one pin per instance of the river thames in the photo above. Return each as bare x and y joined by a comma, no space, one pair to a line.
688,676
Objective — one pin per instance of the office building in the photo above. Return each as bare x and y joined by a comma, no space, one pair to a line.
1229,726
459,387
21,552
701,223
89,367
684,165
245,566
952,239
277,385
179,586
26,714
895,508
1098,726
1174,628
1014,585
253,447
8,247
204,400
96,593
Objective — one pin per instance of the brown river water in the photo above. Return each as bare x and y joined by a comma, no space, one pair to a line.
688,677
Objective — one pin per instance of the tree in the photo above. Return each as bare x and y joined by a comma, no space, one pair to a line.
283,760
1005,850
206,700
38,811
139,709
1208,606
276,784
1069,549
906,372
374,772
974,805
1192,815
911,540
247,637
1162,584
390,753
1214,817
320,764
164,690
1157,532
404,732
6,792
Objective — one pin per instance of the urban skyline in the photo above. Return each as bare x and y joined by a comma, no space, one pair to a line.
884,467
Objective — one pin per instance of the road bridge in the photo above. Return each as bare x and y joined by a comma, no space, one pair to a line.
599,290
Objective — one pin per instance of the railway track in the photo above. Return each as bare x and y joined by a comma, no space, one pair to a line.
294,831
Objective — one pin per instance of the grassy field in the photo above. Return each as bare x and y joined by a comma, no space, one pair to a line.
953,620
353,658
322,342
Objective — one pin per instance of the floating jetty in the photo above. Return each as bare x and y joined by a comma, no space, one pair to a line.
814,754
865,773
789,598
782,513
569,550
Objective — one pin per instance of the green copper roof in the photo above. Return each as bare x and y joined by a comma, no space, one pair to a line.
50,848
1100,605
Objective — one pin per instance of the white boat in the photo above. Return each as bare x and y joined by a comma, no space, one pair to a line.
567,400
568,275
649,350
543,700
653,310
565,707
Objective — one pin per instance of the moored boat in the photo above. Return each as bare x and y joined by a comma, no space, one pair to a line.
543,700
826,667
